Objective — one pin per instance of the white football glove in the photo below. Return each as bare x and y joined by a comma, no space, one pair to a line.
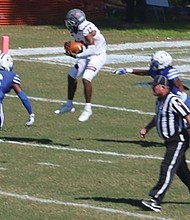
122,71
31,119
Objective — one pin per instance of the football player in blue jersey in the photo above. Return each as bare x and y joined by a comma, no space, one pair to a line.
10,80
161,64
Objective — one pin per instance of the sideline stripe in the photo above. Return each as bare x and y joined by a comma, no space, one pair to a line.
60,59
80,103
110,47
85,206
148,45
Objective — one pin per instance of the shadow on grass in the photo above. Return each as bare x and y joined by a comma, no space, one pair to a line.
129,201
142,143
179,203
30,140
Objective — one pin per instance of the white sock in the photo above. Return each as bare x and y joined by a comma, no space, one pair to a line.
88,106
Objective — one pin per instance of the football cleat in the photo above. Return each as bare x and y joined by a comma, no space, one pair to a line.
31,120
85,115
152,205
64,109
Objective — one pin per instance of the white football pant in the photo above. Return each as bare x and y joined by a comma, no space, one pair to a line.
89,67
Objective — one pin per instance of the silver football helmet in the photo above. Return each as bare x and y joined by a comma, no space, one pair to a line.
6,62
160,60
74,18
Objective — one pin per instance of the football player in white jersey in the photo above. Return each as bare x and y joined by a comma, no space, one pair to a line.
88,63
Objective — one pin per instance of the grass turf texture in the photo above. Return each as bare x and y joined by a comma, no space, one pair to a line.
115,182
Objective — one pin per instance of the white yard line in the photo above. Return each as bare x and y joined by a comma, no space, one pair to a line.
59,147
81,103
81,205
77,150
48,164
100,161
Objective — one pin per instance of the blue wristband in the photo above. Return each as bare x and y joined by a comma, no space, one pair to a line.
25,101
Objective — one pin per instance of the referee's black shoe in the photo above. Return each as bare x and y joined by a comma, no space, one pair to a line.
151,205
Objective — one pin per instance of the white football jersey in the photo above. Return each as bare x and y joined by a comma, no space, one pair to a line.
86,28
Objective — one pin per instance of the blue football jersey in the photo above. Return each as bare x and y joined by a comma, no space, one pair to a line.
7,78
170,73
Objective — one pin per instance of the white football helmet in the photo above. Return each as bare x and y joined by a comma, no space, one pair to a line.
160,60
74,17
6,62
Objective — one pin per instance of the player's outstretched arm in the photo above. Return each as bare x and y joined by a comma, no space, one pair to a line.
122,71
26,102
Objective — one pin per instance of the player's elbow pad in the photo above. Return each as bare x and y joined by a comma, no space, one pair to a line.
87,52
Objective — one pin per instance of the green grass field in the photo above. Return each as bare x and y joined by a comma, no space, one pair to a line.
63,169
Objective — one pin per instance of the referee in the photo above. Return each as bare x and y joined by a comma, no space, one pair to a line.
169,121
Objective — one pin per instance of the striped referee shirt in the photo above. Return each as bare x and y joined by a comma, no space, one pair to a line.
170,112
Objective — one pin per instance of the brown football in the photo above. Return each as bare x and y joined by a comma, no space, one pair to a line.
76,47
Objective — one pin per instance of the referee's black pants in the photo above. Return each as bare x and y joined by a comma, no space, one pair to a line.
174,162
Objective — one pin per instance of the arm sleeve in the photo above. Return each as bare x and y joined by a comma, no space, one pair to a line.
25,101
173,74
88,52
